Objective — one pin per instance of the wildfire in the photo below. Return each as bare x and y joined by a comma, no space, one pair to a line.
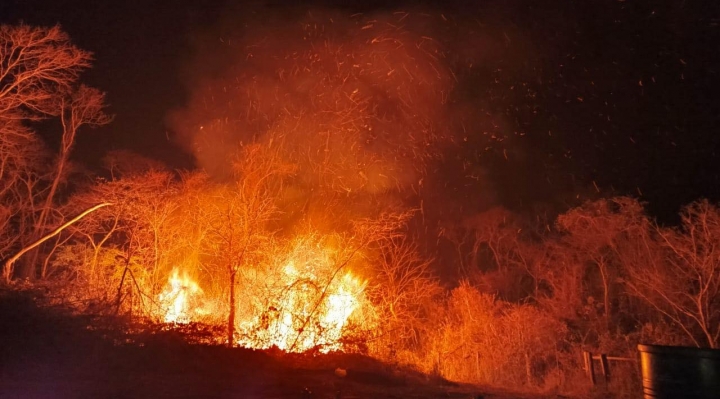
307,312
305,304
178,299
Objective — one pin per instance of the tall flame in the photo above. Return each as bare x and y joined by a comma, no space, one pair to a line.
306,312
178,297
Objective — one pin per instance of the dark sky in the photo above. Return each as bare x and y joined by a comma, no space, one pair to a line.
622,95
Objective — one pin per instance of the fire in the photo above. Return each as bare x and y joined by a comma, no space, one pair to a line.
307,312
306,302
179,298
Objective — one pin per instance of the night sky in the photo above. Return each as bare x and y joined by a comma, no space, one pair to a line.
596,98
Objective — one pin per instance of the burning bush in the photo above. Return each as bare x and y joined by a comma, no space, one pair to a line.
304,300
305,293
181,300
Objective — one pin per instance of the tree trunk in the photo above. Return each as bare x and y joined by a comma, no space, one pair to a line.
53,189
231,315
29,269
528,370
606,293
44,269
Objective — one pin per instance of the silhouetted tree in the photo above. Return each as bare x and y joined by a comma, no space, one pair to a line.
596,233
37,66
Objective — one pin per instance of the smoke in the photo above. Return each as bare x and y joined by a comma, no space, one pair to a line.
383,108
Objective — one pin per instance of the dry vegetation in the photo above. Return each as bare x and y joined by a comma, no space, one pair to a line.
601,277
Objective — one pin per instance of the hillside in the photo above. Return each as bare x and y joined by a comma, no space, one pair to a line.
48,352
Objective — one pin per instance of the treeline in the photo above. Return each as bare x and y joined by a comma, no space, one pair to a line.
602,277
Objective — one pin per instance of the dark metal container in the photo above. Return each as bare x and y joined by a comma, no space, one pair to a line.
680,372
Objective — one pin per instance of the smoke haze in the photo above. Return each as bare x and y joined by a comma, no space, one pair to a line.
388,107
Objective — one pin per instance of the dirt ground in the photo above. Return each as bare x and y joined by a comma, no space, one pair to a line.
50,353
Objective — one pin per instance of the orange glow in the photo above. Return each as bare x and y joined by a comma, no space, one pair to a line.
178,300
308,313
305,302
308,305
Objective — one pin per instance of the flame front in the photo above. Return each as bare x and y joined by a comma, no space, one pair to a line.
307,312
178,299
305,304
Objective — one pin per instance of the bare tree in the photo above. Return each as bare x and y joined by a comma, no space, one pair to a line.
125,163
236,216
84,107
22,168
501,258
39,68
597,233
139,229
684,285
37,65
402,286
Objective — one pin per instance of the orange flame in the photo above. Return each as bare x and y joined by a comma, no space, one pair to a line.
306,313
304,305
178,298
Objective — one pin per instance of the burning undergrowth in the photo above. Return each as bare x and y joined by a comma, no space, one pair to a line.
314,139
322,119
306,300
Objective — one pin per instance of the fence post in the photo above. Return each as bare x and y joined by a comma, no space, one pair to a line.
477,366
589,366
605,367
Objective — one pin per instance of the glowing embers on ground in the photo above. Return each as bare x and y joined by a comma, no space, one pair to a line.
305,304
180,299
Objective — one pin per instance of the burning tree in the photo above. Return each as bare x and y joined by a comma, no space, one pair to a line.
293,289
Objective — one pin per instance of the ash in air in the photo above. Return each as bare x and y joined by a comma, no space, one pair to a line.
365,105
